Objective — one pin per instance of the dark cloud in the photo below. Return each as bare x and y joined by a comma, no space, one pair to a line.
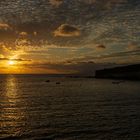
89,15
38,23
109,55
7,59
66,30
123,54
101,46
2,59
20,59
85,68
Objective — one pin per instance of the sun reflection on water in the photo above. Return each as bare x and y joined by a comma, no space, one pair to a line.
12,115
11,88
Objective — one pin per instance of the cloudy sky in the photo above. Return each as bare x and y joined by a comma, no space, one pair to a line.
68,36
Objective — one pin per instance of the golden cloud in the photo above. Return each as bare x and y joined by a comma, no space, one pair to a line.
66,30
4,26
23,33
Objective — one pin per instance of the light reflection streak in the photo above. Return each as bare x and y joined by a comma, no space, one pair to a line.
12,115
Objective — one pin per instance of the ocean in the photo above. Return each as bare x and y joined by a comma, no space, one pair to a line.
62,108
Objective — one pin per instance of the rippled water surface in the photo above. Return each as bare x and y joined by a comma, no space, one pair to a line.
75,109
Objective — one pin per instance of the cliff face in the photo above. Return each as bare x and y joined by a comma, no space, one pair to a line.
131,72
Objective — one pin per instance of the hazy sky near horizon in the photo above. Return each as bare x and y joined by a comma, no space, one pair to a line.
68,36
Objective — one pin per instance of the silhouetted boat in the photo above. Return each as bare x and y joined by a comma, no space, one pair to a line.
57,83
117,82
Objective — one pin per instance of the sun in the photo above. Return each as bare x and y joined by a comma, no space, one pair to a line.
10,62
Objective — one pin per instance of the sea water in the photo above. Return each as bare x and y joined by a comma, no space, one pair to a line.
33,108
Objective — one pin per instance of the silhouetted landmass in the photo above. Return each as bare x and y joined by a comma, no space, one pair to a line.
130,72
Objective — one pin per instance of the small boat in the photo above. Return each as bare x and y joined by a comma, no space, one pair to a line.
57,83
117,82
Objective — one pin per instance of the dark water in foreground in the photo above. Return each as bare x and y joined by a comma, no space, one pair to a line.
76,109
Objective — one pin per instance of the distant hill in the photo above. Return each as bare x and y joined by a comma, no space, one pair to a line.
130,72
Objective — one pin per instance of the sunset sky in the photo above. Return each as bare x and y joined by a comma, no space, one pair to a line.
68,36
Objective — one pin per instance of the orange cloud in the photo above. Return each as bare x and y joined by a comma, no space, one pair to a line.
56,2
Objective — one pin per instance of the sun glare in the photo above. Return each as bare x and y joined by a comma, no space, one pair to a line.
11,62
